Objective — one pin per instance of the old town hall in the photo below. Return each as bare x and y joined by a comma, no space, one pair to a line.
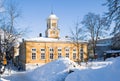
40,50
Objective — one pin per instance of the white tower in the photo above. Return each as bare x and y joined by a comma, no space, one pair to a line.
52,26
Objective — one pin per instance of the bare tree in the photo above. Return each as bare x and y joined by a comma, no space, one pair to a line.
94,26
9,26
116,42
76,37
113,16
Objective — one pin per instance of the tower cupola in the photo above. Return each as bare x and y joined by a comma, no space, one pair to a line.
52,26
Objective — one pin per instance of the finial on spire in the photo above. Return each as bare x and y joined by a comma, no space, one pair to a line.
51,9
51,12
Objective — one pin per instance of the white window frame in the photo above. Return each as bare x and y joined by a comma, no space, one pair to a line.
59,49
51,56
51,50
67,55
67,49
42,56
42,49
59,55
42,53
81,53
67,52
59,52
74,53
33,56
33,51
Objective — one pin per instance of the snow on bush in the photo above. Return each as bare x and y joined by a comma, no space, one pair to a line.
109,73
53,71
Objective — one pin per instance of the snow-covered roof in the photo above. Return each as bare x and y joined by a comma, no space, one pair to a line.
103,44
44,39
113,51
52,16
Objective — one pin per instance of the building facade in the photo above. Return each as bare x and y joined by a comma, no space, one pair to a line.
102,46
41,50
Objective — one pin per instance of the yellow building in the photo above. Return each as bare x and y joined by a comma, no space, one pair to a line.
41,50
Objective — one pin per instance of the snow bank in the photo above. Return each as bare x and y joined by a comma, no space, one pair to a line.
54,71
109,73
2,79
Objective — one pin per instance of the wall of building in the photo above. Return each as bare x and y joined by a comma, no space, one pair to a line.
28,46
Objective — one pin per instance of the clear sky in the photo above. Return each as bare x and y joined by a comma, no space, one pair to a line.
35,13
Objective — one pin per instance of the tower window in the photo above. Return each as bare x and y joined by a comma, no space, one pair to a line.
53,32
54,24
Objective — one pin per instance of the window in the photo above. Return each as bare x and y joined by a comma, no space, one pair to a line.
33,56
51,55
42,53
33,50
54,24
81,51
81,54
53,32
33,53
51,49
42,49
59,52
67,52
67,49
59,55
67,55
74,53
59,49
74,50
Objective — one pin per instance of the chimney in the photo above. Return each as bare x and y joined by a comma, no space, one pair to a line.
23,39
40,35
66,36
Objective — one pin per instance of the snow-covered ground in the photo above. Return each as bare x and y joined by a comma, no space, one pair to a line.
64,69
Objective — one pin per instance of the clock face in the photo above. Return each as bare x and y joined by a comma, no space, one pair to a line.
52,32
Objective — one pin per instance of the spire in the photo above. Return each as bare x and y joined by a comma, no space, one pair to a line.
52,10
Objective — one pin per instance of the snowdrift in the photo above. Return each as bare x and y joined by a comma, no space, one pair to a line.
109,73
53,71
2,79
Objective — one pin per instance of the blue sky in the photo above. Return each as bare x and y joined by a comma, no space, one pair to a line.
35,13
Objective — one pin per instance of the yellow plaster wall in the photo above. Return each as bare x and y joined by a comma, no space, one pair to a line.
47,45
